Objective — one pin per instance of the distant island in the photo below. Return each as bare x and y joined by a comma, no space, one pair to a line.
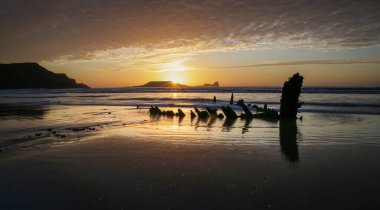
215,84
32,75
170,84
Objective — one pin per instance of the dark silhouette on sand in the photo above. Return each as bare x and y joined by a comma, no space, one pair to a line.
288,109
232,99
290,97
229,112
32,75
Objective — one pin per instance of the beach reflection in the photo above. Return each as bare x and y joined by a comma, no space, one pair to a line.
136,122
228,124
247,125
23,112
288,139
180,120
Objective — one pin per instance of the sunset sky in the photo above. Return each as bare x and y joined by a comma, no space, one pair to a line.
238,43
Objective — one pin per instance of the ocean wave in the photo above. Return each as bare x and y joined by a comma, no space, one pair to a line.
327,103
204,100
314,90
343,111
55,96
324,108
194,101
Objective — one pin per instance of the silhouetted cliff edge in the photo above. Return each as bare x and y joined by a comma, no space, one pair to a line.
32,75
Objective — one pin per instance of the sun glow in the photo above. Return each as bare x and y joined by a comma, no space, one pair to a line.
175,77
175,80
174,71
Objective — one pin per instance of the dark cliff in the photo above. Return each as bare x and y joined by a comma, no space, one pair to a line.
32,75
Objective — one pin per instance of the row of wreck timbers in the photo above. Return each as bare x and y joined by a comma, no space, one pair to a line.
288,109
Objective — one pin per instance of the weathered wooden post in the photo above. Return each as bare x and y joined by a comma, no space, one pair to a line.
246,110
181,113
201,114
229,112
192,114
290,97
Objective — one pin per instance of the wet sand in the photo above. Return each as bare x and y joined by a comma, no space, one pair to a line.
119,172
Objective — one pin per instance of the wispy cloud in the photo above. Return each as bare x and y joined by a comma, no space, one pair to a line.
306,62
75,30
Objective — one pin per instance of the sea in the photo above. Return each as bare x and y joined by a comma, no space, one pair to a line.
28,116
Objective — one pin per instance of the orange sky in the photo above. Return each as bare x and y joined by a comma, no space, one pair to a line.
236,42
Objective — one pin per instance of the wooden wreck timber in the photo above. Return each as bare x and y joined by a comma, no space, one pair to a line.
180,113
168,113
201,114
290,97
229,112
246,110
288,108
232,99
269,114
240,102
155,110
214,113
289,102
192,114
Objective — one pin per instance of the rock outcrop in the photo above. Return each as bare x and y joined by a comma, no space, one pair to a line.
162,84
170,84
215,84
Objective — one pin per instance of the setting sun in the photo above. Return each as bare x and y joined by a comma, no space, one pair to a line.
175,80
176,77
174,71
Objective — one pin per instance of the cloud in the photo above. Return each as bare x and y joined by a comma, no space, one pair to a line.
307,62
45,30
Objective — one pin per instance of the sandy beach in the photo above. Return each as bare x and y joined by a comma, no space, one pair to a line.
119,172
